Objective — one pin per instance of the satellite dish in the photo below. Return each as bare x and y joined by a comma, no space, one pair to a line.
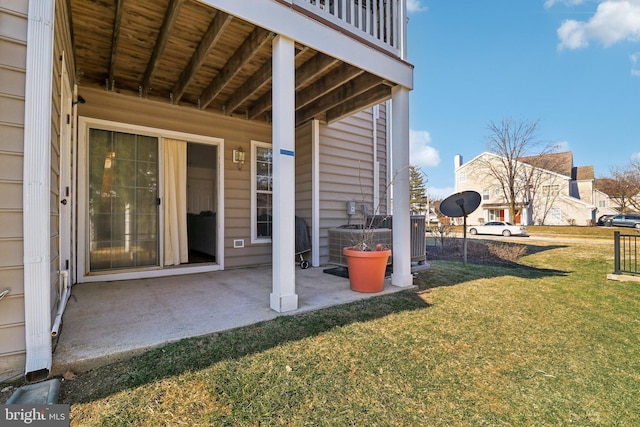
460,205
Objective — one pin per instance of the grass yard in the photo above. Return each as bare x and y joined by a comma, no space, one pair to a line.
547,342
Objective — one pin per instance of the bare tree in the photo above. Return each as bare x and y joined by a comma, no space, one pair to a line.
622,186
513,141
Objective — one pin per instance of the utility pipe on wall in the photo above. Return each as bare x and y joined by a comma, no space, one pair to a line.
64,297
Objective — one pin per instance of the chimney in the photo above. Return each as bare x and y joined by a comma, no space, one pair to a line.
457,161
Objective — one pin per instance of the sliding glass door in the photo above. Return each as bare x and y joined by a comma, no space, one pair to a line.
123,213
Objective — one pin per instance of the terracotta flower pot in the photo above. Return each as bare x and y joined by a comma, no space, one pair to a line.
366,269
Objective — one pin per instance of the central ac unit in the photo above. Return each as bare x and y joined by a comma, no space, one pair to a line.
340,238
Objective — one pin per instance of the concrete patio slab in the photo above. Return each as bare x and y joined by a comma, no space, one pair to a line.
109,321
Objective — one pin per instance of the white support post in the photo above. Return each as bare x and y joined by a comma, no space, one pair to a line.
283,295
315,193
37,187
400,164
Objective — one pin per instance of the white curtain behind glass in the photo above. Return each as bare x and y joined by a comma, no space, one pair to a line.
176,245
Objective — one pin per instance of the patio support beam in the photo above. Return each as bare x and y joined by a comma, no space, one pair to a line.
283,295
315,193
401,275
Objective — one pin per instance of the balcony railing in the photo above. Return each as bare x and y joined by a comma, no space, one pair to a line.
625,253
380,22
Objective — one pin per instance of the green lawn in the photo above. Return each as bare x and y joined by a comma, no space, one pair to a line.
548,342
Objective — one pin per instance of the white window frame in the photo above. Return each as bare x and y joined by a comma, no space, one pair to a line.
254,193
550,190
463,176
486,194
555,214
602,203
83,276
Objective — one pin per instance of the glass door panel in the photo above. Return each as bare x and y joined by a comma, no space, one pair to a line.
123,195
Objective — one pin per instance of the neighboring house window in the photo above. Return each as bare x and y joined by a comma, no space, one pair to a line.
602,204
486,194
550,190
492,215
463,176
556,215
497,192
261,191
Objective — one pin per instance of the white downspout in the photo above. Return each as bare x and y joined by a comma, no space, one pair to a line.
375,112
37,187
389,181
65,293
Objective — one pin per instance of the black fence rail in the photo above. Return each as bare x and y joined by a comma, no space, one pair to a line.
625,247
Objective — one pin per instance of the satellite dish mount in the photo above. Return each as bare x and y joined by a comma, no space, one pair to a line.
461,205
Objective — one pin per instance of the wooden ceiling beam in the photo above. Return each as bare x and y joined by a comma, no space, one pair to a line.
209,40
366,99
249,47
261,106
115,38
333,80
170,18
341,94
258,80
318,64
343,73
263,76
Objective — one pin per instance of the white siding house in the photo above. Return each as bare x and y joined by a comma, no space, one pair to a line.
557,194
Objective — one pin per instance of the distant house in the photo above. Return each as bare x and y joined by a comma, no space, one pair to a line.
624,197
555,193
134,133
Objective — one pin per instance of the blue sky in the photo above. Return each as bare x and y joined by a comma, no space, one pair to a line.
574,65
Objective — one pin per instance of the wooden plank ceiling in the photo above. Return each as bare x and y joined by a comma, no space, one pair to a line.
187,53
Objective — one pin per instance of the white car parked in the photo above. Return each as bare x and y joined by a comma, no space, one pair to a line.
499,228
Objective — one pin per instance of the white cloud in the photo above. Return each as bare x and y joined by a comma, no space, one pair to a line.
635,64
635,157
415,6
561,147
613,22
421,153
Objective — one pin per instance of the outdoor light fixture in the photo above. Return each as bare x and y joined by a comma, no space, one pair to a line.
79,100
238,157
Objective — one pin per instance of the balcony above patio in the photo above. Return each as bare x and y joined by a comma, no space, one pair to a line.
216,55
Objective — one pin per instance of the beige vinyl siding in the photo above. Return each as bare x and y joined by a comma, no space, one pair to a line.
13,48
346,170
235,132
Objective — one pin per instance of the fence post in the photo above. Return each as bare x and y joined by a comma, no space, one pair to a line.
616,252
